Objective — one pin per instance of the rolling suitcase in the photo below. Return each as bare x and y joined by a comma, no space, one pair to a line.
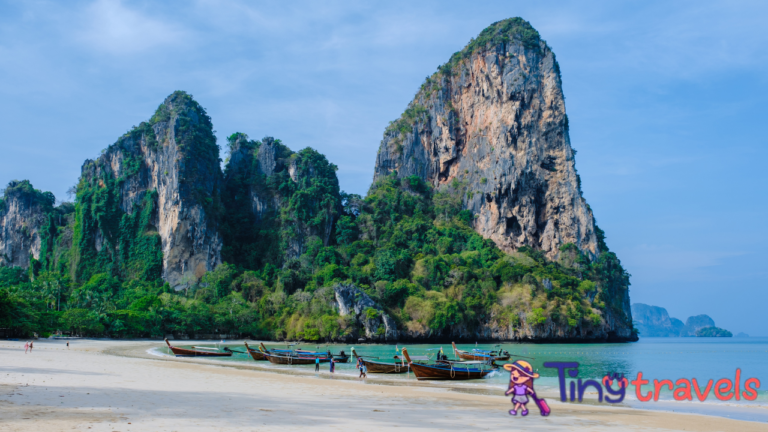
542,404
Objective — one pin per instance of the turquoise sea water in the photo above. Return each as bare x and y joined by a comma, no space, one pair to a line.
656,358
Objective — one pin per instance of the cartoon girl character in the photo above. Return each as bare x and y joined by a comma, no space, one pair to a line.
521,378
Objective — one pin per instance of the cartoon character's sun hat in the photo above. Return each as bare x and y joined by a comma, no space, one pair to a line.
523,366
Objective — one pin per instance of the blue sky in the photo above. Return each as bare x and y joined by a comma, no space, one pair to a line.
665,101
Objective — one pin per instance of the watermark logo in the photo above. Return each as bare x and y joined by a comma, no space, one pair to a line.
682,389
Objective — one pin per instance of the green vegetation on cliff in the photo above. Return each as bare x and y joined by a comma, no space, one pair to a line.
500,32
289,236
410,248
713,332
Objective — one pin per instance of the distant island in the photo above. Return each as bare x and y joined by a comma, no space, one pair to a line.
654,321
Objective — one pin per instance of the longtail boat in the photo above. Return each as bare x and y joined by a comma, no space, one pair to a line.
256,354
383,367
295,359
446,371
288,357
481,355
183,352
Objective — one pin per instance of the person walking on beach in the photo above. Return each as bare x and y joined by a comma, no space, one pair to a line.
317,364
30,346
67,344
360,366
364,371
26,347
333,366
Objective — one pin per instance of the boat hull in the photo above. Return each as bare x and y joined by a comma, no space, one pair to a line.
289,360
467,355
385,368
429,372
182,352
257,355
474,357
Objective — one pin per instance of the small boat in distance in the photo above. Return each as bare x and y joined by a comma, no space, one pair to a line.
450,371
481,355
184,352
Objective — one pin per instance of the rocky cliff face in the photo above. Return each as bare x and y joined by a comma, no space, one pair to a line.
23,212
276,200
694,323
493,120
654,321
378,326
174,156
490,128
250,162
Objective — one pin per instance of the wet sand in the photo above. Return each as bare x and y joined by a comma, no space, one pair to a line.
118,386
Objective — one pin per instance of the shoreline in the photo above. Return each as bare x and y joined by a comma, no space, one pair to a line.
135,365
752,412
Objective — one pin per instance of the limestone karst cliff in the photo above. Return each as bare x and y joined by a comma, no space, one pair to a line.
490,126
23,212
168,168
475,228
276,201
493,119
654,321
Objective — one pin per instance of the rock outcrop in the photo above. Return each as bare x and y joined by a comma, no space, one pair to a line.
694,323
492,122
490,129
175,156
654,321
377,324
250,163
23,212
271,190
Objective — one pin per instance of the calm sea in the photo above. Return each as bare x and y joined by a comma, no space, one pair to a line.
656,358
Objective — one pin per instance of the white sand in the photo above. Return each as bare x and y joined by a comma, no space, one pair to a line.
92,388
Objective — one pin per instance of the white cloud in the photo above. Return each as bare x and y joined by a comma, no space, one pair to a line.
109,26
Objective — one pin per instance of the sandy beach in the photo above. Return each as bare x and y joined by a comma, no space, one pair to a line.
118,386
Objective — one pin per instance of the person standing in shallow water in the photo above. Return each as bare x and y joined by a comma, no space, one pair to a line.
317,364
521,378
332,366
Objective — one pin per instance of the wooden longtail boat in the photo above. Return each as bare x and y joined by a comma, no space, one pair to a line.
383,367
480,355
386,368
256,354
338,358
294,359
183,352
287,357
445,371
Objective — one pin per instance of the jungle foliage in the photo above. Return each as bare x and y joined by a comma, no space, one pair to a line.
409,247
